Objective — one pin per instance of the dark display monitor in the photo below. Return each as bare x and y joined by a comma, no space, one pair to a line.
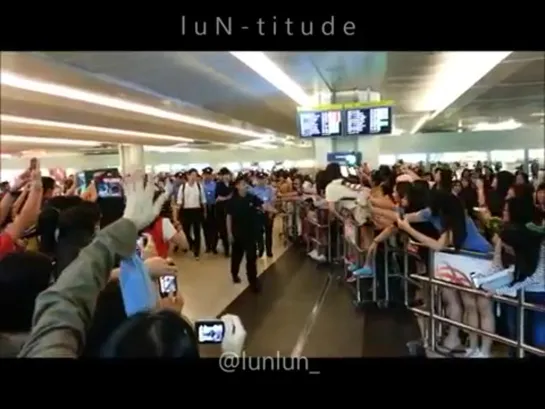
369,121
313,124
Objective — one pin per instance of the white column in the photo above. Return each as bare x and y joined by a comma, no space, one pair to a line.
131,157
369,145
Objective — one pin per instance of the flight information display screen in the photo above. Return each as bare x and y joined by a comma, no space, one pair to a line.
314,124
369,121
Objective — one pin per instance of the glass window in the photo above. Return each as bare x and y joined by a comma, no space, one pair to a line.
232,166
412,157
266,165
451,157
538,154
198,166
387,159
163,167
304,164
509,159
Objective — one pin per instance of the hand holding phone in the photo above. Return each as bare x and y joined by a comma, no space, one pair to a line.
210,331
168,285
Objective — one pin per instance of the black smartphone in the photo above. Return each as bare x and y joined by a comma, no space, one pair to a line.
168,285
210,331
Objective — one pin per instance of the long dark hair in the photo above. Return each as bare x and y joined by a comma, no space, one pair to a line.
162,334
76,229
332,172
527,246
451,212
418,196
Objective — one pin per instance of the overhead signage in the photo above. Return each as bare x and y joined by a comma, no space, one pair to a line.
369,121
347,105
314,124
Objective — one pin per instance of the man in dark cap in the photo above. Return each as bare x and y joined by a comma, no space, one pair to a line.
224,192
266,193
210,227
243,214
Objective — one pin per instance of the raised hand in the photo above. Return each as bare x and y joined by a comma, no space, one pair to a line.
139,207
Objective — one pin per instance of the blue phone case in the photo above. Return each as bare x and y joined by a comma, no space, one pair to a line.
137,287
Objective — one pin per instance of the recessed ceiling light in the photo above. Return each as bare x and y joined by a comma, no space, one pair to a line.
538,114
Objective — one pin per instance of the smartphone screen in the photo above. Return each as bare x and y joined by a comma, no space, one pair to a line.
168,285
210,331
109,187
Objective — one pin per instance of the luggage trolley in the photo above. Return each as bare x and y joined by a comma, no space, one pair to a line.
438,277
353,255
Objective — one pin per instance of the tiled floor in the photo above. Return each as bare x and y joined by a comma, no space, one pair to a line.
206,284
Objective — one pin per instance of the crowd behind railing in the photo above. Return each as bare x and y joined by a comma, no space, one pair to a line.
465,253
464,249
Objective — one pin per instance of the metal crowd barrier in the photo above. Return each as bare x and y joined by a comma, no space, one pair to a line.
434,317
318,234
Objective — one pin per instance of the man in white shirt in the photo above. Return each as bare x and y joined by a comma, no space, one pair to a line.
191,202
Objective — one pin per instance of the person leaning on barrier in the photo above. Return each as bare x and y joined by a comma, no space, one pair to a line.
524,240
448,216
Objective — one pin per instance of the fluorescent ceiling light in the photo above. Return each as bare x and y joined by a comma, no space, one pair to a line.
499,126
62,91
5,156
456,73
266,68
538,114
46,141
87,128
166,149
258,144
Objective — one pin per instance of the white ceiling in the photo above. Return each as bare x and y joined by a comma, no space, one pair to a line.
217,87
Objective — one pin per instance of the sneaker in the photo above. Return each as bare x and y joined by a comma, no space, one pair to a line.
351,279
365,271
352,267
320,258
475,353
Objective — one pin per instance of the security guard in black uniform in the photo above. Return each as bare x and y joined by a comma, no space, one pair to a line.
224,192
210,226
244,211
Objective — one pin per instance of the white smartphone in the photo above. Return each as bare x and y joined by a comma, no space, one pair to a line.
168,285
210,331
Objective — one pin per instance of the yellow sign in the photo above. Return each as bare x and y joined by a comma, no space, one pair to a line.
349,105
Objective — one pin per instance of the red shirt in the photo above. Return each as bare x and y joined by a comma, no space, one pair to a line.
156,232
7,245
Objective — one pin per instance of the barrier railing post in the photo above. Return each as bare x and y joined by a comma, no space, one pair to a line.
431,325
406,277
520,327
386,275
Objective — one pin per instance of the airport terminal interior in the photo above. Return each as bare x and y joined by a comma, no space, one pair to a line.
318,168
